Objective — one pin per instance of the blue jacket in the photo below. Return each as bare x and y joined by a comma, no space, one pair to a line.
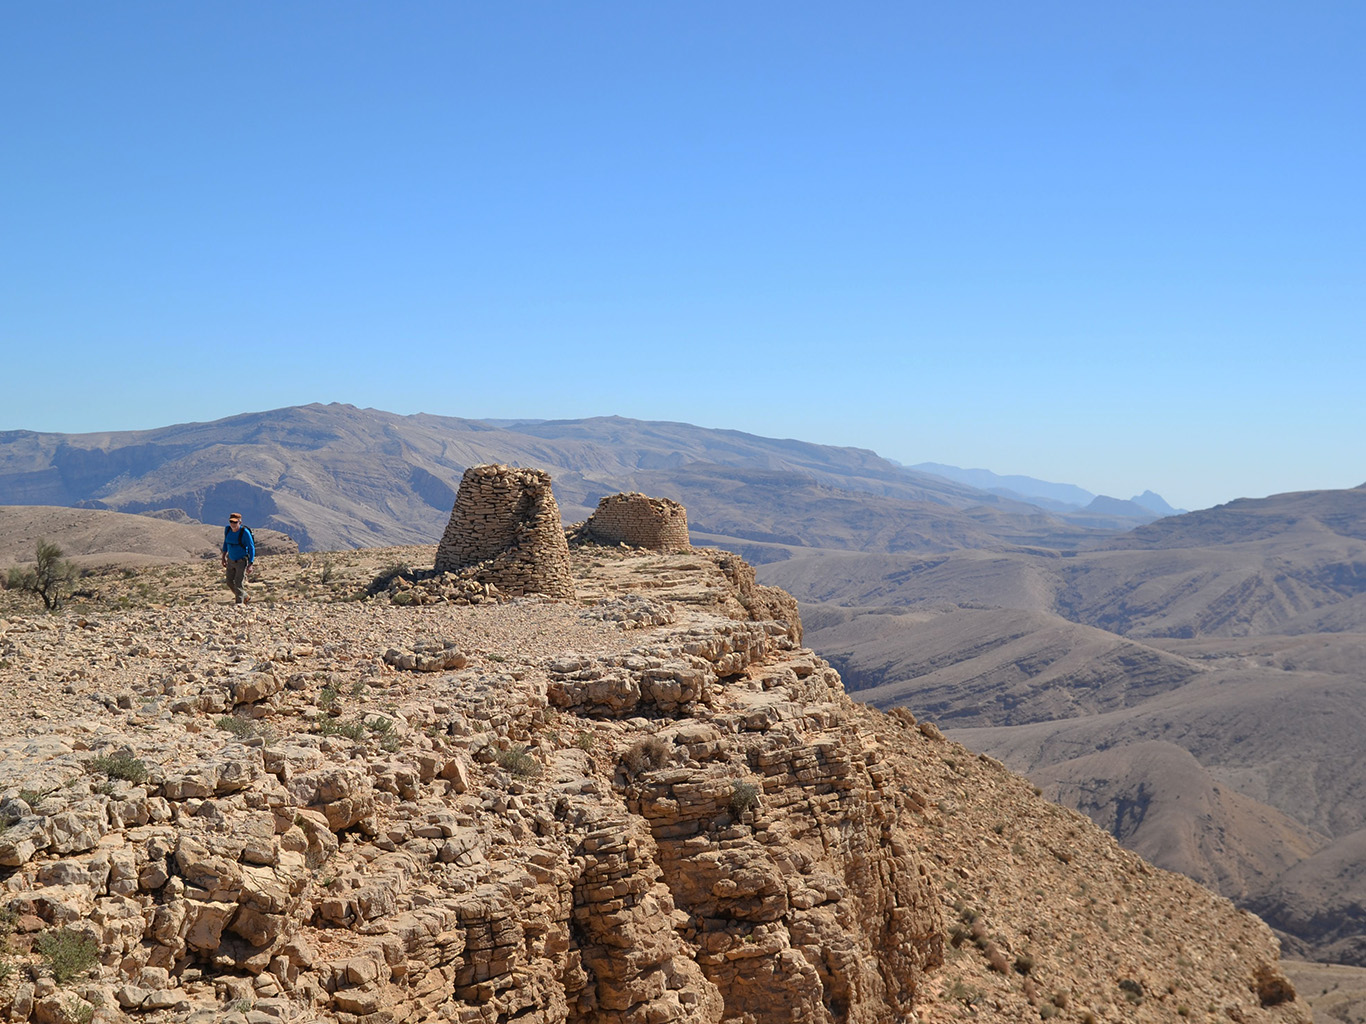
239,545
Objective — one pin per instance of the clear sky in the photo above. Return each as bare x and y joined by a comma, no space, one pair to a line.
1116,245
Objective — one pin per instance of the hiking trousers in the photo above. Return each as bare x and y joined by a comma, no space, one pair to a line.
237,578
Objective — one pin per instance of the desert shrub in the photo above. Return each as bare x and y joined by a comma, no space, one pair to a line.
1047,1011
34,797
121,765
962,992
743,797
1132,990
336,727
517,761
50,578
327,696
996,960
583,740
647,755
1024,963
384,731
67,954
239,727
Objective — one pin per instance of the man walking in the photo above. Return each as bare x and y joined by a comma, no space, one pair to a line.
239,555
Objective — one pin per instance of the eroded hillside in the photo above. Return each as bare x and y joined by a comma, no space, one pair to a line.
639,806
1194,686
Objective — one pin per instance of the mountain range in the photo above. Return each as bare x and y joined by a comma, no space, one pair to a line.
1066,498
334,476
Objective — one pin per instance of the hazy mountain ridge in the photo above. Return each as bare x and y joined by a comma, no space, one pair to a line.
1064,498
334,476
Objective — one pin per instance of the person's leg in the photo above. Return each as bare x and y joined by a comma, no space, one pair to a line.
237,572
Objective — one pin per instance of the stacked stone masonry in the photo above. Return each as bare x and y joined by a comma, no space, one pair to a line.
505,530
641,522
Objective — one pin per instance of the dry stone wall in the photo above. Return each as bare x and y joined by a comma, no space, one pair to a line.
639,521
505,530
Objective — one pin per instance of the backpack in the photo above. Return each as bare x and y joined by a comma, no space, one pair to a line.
249,536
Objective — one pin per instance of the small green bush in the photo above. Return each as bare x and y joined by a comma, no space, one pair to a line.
517,761
67,954
647,755
384,731
961,992
744,796
336,727
239,727
34,797
584,740
121,765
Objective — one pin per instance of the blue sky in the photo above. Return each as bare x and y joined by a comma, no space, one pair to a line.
1115,245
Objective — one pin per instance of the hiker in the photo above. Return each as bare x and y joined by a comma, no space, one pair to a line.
239,554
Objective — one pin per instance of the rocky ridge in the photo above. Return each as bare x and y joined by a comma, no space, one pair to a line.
649,805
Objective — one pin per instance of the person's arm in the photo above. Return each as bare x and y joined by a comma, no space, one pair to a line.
249,543
225,545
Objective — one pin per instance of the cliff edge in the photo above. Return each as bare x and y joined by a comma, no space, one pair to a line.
647,805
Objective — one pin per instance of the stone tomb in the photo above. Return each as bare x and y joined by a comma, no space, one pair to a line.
505,530
640,522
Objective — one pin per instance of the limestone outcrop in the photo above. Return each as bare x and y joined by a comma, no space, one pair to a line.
505,531
642,809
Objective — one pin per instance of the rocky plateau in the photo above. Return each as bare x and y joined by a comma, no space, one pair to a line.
646,804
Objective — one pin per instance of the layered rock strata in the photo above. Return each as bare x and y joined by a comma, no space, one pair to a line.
638,811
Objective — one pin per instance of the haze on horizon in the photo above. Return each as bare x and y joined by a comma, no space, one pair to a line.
1118,248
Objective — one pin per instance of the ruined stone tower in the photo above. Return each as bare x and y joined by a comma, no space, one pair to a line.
505,530
640,521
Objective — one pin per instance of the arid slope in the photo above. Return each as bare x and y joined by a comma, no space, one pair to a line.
624,808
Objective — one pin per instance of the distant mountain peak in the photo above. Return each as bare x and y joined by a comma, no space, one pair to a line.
1154,502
